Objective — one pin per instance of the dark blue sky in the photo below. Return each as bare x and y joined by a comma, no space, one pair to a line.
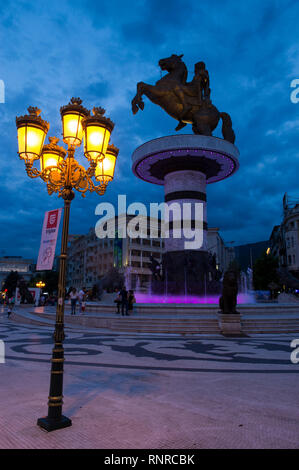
99,50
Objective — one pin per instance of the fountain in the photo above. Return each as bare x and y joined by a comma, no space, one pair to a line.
146,298
184,164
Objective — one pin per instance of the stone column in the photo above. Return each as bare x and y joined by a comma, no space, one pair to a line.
182,187
184,164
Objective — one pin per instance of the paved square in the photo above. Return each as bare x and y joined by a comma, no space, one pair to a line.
134,391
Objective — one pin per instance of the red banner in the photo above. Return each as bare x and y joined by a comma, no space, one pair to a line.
48,241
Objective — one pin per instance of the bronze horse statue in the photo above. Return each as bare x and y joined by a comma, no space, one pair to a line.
189,103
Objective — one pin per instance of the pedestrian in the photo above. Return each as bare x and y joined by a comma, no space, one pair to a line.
131,300
10,305
81,296
118,302
74,298
83,304
124,301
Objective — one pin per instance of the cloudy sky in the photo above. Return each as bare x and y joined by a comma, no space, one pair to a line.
99,50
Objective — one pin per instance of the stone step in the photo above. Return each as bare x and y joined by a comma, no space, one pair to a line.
30,319
274,324
167,331
158,325
191,309
131,320
270,331
264,321
272,327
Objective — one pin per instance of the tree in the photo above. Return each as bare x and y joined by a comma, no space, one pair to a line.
265,271
50,278
14,280
11,282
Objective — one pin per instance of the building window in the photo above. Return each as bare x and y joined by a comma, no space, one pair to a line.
136,264
290,259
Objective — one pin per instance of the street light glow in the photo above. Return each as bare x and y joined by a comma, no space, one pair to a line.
62,174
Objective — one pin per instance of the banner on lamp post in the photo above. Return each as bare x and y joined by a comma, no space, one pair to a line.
48,241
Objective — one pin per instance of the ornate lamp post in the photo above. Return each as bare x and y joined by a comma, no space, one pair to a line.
62,173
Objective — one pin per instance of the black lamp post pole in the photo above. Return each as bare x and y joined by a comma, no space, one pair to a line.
55,419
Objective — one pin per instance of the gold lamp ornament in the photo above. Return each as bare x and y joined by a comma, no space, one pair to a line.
32,131
97,131
52,154
72,115
63,174
104,172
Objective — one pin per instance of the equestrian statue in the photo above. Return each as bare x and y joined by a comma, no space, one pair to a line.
188,103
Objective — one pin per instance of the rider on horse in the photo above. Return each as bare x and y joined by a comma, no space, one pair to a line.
199,88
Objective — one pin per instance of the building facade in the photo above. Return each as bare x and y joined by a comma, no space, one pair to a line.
91,257
284,239
216,246
25,267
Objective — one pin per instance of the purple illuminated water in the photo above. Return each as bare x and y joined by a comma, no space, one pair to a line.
142,298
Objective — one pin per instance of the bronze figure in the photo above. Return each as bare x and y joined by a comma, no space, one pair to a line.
228,300
188,103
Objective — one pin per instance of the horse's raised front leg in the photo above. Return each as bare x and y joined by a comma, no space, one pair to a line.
137,102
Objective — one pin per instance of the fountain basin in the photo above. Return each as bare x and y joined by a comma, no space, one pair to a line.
142,298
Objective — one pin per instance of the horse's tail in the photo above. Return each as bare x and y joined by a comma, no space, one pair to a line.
227,128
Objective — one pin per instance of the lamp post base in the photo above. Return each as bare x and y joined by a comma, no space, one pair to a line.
50,424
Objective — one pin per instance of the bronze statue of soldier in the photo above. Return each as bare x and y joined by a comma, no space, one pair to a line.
188,103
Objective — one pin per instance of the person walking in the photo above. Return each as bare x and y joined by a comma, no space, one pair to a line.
10,305
118,302
81,297
74,298
124,301
131,301
83,304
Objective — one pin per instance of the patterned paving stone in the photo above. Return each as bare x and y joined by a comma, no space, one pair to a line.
150,391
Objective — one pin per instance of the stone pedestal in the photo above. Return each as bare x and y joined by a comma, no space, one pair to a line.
230,324
184,165
189,272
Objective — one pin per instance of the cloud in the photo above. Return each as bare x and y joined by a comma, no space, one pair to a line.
100,50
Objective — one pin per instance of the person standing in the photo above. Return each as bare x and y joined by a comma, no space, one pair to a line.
74,298
124,301
118,302
83,304
81,297
10,305
131,301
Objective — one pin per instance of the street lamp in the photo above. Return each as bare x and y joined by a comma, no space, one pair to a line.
62,173
40,285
